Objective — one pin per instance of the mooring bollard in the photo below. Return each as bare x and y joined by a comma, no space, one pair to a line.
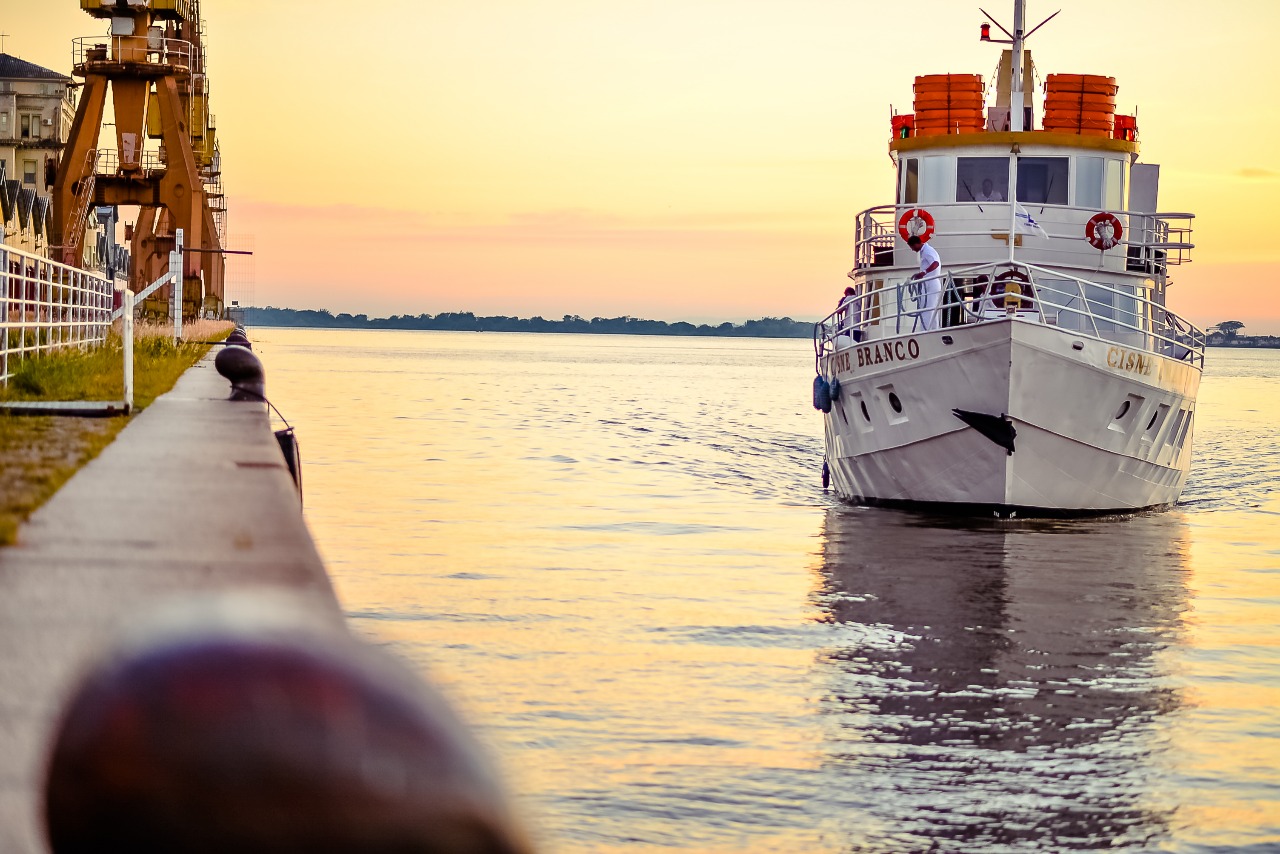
238,338
261,738
239,365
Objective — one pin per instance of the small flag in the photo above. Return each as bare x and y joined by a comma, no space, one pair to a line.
1024,224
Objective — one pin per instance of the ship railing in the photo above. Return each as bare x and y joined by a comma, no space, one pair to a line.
874,237
994,291
47,306
1151,241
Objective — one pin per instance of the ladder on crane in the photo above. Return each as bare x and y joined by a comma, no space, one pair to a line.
80,214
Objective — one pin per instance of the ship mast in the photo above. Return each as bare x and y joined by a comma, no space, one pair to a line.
1017,39
1016,98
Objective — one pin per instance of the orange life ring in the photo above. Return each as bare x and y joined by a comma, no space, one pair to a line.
916,222
1103,231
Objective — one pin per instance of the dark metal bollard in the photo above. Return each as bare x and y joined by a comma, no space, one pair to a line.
226,740
244,370
239,339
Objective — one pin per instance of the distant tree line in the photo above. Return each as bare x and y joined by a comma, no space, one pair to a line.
1227,334
465,321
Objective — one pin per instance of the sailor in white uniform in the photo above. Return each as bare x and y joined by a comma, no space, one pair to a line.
930,277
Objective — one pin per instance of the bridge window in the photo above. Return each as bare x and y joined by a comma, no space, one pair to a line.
982,179
1115,185
1042,180
910,169
937,183
1089,179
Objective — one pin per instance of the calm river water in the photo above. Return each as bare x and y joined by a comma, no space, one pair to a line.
615,555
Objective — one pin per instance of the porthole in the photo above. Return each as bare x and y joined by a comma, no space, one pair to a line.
865,413
895,403
1122,411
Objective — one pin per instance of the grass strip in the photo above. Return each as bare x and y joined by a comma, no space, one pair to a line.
38,454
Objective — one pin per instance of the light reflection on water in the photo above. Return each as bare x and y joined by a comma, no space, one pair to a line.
1013,703
614,554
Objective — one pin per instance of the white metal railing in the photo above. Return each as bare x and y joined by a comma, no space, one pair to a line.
140,49
1151,241
996,291
109,161
47,306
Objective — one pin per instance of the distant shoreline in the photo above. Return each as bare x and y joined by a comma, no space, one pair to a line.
765,327
1248,342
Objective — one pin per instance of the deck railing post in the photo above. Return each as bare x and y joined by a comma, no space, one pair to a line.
175,272
126,331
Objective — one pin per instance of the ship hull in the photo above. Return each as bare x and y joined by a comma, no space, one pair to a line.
1009,416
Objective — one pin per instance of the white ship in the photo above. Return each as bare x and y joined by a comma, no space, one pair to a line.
1038,370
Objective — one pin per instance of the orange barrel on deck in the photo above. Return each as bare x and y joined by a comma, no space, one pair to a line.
1060,117
1080,103
948,95
948,82
1090,83
948,103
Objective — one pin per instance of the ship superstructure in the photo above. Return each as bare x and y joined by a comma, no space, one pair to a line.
1039,368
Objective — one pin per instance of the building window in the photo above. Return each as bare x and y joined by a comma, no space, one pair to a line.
29,172
4,125
29,126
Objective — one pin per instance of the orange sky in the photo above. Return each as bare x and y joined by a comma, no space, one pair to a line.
700,159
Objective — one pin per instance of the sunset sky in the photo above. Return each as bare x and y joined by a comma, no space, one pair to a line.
701,159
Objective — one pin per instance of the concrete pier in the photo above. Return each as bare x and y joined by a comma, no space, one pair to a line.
192,498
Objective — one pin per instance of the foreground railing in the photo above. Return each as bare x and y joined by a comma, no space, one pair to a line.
998,291
47,306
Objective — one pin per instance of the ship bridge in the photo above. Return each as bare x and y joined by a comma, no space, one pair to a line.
982,173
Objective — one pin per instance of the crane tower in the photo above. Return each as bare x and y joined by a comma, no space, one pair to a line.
166,160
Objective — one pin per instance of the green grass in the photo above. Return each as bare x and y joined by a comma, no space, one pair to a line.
99,374
38,454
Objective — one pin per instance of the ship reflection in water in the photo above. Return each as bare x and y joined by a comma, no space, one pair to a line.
1001,685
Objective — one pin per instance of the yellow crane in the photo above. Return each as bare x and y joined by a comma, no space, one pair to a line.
166,160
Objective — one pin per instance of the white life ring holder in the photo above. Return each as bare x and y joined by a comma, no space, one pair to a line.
1103,231
916,222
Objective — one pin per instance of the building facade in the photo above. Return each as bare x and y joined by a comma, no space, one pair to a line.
37,107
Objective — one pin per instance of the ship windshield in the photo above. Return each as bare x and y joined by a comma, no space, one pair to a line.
1089,181
909,181
1042,180
982,179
